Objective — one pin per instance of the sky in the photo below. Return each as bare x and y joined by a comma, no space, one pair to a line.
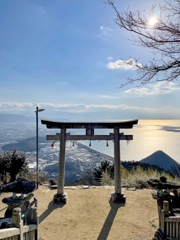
69,58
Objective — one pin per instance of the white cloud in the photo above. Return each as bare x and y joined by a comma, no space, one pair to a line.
94,110
109,58
74,108
129,64
104,31
156,89
108,97
8,106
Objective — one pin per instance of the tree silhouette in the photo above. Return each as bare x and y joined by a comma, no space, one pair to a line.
106,167
12,164
163,36
3,175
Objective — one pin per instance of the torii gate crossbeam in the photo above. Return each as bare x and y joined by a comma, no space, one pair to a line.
89,126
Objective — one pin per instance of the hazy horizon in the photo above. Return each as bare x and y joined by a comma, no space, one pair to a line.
148,136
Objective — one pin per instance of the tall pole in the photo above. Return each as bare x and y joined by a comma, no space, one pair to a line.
37,161
37,153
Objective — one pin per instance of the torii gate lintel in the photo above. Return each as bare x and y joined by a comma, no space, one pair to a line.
70,137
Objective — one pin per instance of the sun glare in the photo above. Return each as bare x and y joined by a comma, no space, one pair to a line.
152,21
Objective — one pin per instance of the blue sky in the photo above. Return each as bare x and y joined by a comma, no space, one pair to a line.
63,55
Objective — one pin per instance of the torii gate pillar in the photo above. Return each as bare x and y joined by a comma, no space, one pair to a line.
117,195
61,196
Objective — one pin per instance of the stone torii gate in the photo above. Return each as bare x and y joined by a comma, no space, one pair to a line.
90,135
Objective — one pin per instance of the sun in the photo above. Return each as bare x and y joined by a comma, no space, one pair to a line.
152,21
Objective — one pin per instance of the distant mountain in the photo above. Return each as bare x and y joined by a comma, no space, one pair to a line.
16,118
162,160
25,145
79,159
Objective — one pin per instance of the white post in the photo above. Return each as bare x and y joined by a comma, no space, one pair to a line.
17,221
164,212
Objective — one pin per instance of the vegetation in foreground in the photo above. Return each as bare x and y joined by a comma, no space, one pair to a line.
133,174
11,165
14,165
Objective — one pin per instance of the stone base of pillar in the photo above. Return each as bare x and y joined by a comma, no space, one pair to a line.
118,197
60,198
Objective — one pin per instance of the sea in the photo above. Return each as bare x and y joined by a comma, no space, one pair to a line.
149,136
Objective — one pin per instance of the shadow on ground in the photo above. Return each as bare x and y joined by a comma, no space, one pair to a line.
49,210
109,220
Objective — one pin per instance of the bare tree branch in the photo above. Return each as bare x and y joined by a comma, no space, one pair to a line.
163,38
